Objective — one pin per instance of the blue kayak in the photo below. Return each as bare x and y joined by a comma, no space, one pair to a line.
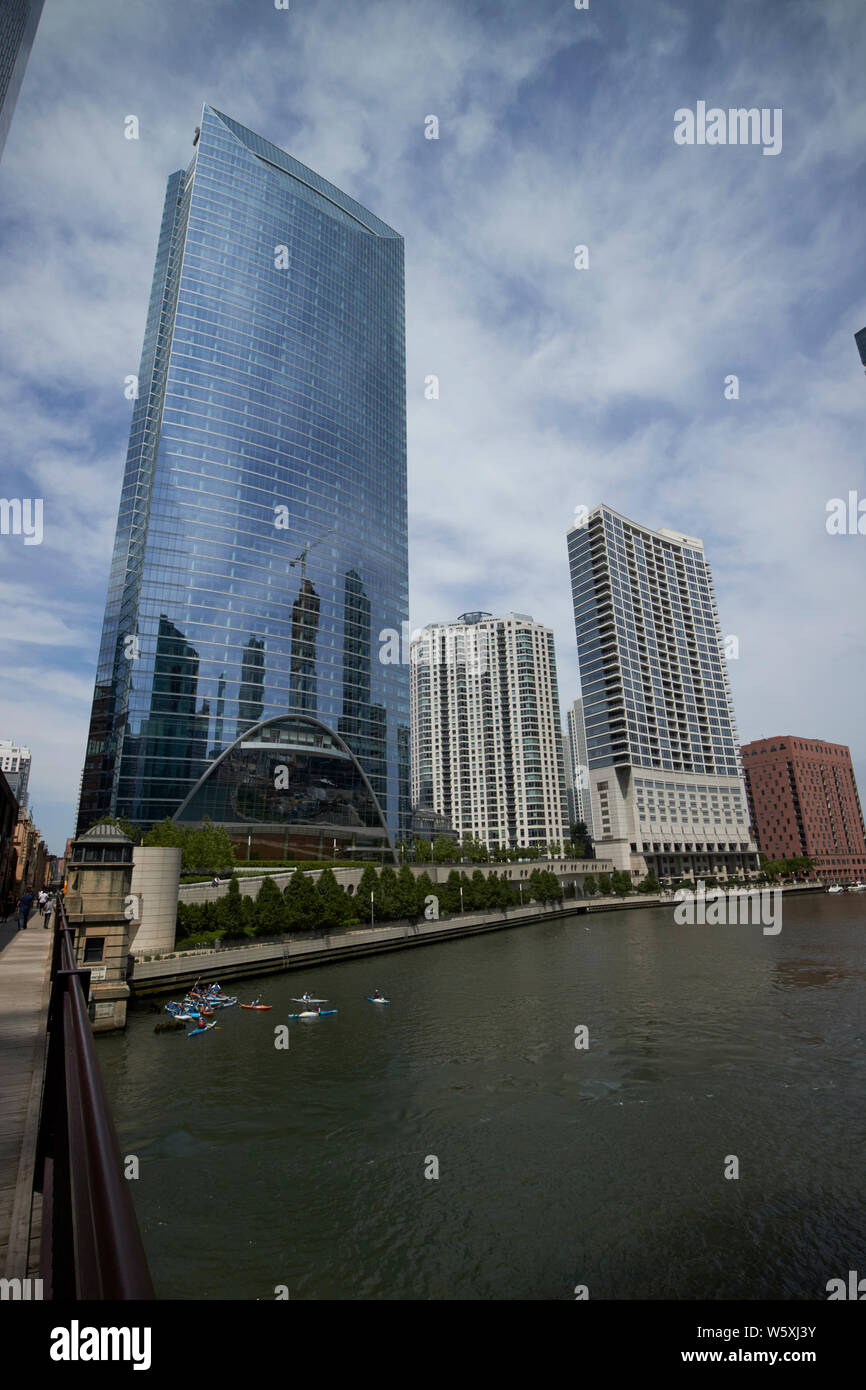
204,1029
373,1000
312,1013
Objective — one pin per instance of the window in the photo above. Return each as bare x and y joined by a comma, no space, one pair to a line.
93,946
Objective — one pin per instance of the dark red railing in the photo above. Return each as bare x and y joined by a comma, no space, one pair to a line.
91,1245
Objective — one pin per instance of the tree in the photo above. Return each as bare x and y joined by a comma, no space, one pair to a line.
424,889
501,892
604,886
330,900
650,884
229,911
444,850
368,885
301,902
209,848
135,833
581,839
406,895
449,893
479,890
422,850
620,883
386,895
537,887
554,887
166,834
590,886
270,909
248,914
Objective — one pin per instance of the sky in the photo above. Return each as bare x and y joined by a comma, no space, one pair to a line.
559,387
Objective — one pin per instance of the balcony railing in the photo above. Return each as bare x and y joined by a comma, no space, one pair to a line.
91,1246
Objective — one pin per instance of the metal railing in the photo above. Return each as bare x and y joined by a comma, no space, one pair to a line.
91,1246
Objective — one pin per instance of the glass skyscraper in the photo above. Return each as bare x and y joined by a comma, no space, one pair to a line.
664,769
19,20
262,535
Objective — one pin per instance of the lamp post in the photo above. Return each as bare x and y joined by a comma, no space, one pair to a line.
461,899
372,922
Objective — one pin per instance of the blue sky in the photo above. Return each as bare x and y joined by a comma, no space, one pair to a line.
558,387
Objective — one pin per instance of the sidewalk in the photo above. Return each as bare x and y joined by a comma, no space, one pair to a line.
24,965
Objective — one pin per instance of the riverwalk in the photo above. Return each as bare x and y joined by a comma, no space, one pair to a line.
301,953
25,959
179,970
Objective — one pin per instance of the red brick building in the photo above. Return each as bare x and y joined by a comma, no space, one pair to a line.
803,800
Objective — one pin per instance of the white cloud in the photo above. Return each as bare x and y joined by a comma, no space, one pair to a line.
558,386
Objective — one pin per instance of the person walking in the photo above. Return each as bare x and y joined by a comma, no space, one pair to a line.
46,912
25,903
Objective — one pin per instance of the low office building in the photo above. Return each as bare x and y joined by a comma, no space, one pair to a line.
803,801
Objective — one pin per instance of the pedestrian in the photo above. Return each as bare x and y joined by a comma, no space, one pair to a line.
25,903
46,912
42,900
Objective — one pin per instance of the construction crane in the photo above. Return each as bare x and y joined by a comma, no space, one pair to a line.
311,545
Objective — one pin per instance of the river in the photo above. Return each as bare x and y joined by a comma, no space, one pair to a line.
305,1170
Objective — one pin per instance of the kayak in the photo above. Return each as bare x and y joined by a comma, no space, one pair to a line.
204,1028
257,1006
313,1013
377,1001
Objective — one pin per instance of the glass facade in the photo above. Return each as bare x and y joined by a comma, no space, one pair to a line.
291,784
19,20
262,535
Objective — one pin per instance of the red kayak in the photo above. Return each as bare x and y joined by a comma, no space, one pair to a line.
257,1006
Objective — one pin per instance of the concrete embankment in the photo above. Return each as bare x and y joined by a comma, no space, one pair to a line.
228,963
177,972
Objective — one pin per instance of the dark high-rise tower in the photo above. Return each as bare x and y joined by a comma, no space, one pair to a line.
18,23
266,461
